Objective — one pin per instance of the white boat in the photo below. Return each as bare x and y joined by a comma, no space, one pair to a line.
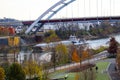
76,41
73,39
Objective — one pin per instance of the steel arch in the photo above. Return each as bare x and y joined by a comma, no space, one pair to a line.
61,4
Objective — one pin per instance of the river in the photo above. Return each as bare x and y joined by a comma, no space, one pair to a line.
102,42
92,44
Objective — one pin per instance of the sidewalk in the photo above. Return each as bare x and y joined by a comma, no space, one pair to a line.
112,72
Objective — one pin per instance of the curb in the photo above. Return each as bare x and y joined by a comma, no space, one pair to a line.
108,71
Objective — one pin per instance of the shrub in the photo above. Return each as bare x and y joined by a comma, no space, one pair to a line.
15,72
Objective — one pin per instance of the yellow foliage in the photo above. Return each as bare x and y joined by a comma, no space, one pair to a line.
40,73
2,74
13,41
61,52
32,68
60,48
10,41
16,41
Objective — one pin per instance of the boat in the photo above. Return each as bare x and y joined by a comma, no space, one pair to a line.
73,39
76,41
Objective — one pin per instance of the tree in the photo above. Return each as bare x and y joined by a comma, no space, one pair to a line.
5,66
75,56
53,58
113,45
51,37
16,72
2,73
33,70
4,31
118,60
85,55
62,52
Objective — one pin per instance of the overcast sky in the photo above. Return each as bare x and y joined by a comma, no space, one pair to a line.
32,9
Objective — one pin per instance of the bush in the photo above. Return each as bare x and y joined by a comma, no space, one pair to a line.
15,72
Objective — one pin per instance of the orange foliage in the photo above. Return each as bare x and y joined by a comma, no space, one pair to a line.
7,30
85,54
75,56
11,30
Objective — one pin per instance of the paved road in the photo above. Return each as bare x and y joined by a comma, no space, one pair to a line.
112,71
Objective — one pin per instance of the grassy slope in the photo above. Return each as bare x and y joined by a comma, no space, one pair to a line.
100,75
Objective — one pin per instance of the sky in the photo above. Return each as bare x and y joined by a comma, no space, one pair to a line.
32,9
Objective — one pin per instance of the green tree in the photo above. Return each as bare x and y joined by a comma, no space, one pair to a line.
62,53
16,72
2,73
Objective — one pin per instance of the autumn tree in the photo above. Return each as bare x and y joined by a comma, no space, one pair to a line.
81,53
2,73
33,70
4,31
85,55
113,45
71,49
77,54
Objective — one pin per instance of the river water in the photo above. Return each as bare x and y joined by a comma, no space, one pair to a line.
102,42
92,44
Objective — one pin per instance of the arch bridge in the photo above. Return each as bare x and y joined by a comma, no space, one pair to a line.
55,9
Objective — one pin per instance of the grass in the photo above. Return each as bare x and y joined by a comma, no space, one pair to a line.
101,74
